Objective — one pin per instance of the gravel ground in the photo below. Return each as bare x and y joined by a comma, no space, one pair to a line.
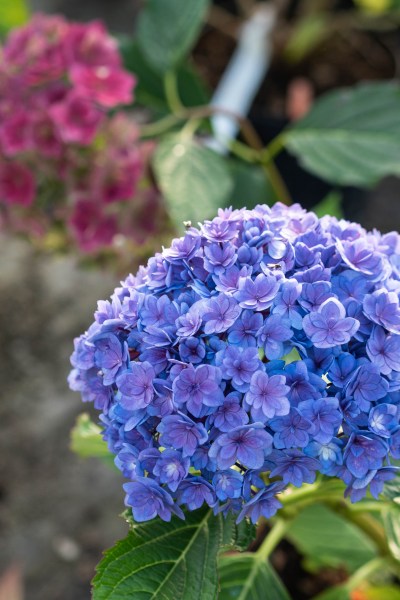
57,511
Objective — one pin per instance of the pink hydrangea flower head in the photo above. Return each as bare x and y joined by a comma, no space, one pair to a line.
58,143
76,119
105,85
17,184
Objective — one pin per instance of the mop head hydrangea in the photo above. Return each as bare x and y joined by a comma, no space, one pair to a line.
257,351
70,159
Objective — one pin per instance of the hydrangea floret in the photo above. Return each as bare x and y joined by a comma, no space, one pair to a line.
68,164
257,351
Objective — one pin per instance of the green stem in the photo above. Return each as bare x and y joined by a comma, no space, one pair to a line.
277,183
243,151
364,573
172,93
273,538
190,128
370,507
309,494
331,494
159,127
274,148
365,522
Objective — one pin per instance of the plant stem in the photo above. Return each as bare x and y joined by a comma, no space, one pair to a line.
273,149
243,151
364,572
190,127
172,93
331,494
161,126
371,507
273,538
277,183
364,521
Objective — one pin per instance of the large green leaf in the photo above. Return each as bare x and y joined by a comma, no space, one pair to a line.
325,539
250,185
351,136
167,30
330,205
194,180
247,577
165,561
150,91
86,439
391,521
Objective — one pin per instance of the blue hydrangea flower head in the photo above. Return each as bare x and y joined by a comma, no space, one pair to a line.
257,351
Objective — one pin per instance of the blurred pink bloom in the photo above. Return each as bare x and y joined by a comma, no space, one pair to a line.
17,184
37,51
76,119
91,227
15,133
53,93
91,45
59,146
45,137
118,179
105,85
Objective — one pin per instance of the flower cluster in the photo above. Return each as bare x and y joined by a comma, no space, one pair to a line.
254,353
64,159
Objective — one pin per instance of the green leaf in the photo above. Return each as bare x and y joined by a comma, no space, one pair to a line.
391,522
150,91
13,13
163,561
236,536
250,185
195,181
330,205
339,592
315,533
247,577
351,136
86,439
167,30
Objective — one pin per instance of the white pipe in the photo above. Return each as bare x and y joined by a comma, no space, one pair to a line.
243,76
